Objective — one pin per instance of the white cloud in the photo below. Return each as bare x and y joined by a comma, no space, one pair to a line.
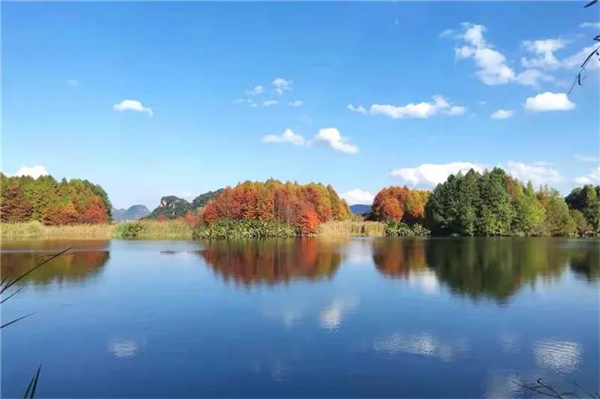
132,105
593,25
543,51
423,110
288,136
332,138
296,103
34,171
502,114
281,85
585,158
360,109
591,178
268,103
433,174
358,196
255,90
538,173
532,77
549,101
492,66
333,315
329,137
577,59
72,82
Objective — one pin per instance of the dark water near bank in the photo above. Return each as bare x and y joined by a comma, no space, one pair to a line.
303,318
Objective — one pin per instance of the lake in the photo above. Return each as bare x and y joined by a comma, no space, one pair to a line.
360,317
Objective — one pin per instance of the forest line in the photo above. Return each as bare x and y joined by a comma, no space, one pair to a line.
491,203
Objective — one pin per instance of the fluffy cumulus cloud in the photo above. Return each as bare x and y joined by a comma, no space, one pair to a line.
280,85
332,138
549,101
426,109
255,90
268,103
502,114
295,103
591,178
358,196
432,174
132,105
538,173
33,171
329,137
543,53
492,65
287,137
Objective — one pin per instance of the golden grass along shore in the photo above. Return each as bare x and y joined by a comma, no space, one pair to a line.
155,230
352,228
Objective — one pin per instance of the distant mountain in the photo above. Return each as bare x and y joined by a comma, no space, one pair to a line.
360,209
172,207
134,212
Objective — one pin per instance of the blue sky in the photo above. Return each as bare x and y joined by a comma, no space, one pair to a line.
150,99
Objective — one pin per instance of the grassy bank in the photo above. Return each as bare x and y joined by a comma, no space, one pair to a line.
352,228
178,230
36,230
147,229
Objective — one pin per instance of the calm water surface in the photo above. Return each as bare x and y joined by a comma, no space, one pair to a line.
303,318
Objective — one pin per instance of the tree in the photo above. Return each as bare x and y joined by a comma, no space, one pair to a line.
529,212
496,211
586,199
557,220
301,206
400,204
14,207
50,202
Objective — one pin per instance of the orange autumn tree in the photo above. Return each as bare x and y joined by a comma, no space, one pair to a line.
400,204
302,206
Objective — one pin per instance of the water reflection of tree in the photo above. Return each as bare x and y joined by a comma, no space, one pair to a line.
399,257
495,268
75,266
272,261
586,263
480,268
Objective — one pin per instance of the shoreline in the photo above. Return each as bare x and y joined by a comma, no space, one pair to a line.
179,230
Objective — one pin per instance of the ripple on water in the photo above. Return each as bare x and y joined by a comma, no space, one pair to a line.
560,356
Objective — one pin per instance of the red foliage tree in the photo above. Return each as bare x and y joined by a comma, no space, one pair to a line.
307,221
400,204
94,213
289,203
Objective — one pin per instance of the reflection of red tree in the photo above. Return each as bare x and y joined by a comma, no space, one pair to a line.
397,258
256,262
71,266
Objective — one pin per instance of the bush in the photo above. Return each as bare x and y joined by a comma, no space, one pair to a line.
129,230
395,229
227,229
